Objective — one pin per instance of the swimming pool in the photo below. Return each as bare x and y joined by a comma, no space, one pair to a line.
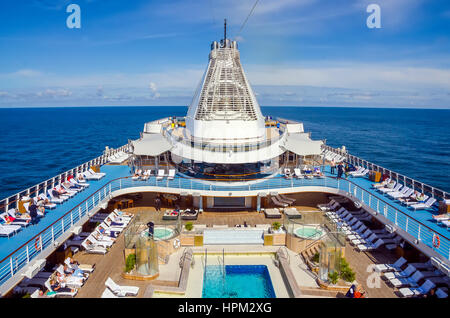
160,233
308,232
236,280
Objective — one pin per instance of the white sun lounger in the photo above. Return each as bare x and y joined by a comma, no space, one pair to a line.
423,206
96,242
94,249
20,222
171,174
90,176
107,293
395,267
87,268
298,173
8,230
57,293
361,174
160,175
53,199
370,247
386,189
48,205
102,174
121,291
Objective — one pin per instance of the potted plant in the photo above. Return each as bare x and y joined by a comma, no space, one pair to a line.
347,273
130,263
276,226
333,277
189,226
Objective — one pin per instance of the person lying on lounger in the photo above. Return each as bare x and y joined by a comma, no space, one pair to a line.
70,185
100,237
60,190
115,221
112,234
73,272
57,287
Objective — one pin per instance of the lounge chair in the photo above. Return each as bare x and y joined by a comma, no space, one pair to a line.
137,176
292,213
440,293
421,290
298,173
370,246
387,189
88,175
146,175
44,197
121,291
287,173
381,184
412,281
408,271
423,206
102,174
358,170
107,293
97,242
278,203
6,219
286,198
272,213
360,174
171,174
93,249
68,193
332,205
189,214
54,199
8,230
160,175
83,185
395,267
56,293
405,191
87,268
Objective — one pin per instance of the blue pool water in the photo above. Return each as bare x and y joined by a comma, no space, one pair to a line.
39,143
239,281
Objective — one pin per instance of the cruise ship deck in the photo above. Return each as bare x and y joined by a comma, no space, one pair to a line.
418,224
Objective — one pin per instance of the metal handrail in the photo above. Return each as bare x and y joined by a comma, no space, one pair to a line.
399,177
51,182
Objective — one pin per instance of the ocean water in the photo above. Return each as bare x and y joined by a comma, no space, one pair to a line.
39,143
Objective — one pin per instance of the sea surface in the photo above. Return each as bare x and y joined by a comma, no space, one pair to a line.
39,143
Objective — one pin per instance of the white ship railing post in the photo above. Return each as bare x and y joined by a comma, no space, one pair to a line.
11,266
28,254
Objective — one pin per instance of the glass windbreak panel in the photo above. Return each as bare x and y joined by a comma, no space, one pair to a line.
146,256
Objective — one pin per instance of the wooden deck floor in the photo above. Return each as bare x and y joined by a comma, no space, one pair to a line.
112,264
360,263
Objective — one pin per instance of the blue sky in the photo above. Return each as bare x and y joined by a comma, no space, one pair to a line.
294,52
